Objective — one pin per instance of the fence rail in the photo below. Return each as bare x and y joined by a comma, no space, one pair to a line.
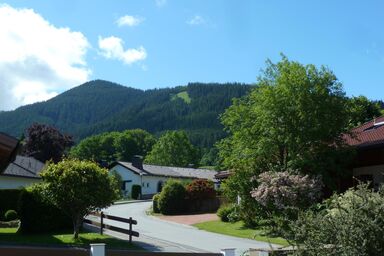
112,227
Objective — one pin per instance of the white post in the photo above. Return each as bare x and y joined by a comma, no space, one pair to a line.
228,251
97,249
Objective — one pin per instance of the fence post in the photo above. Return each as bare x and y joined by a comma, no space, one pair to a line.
130,229
101,223
228,252
97,249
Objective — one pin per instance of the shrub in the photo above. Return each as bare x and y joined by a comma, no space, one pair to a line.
155,205
9,199
200,189
136,191
281,190
172,198
10,215
350,224
228,213
37,215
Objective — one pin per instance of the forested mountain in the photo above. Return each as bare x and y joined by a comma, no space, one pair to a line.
99,106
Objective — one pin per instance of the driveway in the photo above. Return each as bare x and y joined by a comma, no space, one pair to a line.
161,235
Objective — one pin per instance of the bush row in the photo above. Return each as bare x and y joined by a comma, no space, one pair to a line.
177,198
8,201
35,214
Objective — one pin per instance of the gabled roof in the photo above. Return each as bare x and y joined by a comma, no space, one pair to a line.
169,171
26,167
368,134
8,146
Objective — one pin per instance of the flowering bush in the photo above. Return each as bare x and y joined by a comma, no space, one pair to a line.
282,190
201,189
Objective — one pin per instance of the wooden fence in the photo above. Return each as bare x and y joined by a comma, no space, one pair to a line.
102,225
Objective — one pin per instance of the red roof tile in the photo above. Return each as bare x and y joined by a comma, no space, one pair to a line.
368,134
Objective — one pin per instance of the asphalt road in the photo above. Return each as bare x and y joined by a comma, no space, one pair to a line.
160,235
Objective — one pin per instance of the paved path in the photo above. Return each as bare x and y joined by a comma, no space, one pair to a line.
160,235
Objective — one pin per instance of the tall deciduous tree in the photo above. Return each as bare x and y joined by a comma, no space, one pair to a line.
362,110
293,118
114,145
78,188
173,149
45,142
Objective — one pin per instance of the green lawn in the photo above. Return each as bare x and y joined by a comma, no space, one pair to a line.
9,235
238,229
184,96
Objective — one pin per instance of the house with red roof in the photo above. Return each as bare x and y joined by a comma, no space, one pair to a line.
368,140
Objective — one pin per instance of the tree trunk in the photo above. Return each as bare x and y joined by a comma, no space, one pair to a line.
77,221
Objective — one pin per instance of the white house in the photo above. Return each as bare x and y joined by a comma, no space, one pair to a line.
22,172
152,177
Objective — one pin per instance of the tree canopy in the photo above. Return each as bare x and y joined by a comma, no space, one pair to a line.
78,188
173,149
291,119
45,142
113,146
362,110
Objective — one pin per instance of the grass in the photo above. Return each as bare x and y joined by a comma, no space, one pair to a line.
182,95
10,236
237,229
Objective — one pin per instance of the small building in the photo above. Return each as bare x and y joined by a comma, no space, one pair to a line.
22,172
368,140
151,178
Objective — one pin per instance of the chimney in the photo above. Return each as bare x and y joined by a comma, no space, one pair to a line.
137,161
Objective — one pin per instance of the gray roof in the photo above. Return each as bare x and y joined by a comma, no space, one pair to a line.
23,166
169,171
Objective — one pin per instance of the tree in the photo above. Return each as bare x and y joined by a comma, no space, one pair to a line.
133,142
362,110
292,119
173,149
45,142
112,146
78,188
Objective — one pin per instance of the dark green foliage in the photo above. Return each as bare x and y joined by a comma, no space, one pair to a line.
38,215
155,205
9,199
136,191
172,198
348,224
10,215
100,106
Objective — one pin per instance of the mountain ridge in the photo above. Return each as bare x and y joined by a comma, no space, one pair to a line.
101,106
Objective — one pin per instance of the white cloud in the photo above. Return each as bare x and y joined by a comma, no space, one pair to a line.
129,21
37,59
196,20
160,3
112,48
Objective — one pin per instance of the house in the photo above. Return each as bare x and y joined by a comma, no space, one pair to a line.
151,178
22,172
8,149
368,139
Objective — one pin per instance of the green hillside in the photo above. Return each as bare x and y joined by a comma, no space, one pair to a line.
101,106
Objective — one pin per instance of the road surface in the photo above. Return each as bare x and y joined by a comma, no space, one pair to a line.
160,235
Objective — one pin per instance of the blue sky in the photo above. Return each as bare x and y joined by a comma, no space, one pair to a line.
164,43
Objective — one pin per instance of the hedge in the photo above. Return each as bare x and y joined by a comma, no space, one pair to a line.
39,216
9,199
